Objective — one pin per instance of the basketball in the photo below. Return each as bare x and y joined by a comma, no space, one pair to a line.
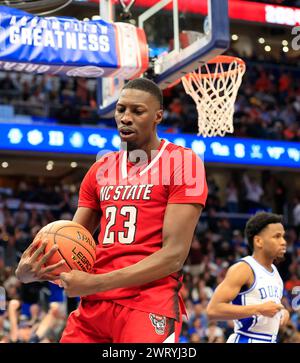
75,245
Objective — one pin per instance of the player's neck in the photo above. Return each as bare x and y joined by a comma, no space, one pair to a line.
264,261
150,147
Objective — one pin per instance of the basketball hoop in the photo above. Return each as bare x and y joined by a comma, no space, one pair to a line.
214,88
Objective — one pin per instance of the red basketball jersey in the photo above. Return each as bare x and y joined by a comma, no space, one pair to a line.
132,199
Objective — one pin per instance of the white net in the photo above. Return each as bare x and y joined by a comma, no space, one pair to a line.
214,88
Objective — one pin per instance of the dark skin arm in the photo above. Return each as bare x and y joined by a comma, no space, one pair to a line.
31,266
220,307
179,225
87,217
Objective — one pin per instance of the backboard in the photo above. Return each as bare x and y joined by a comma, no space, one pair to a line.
180,34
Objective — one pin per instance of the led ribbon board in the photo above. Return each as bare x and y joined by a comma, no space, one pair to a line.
91,140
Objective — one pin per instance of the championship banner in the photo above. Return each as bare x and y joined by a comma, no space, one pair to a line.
68,46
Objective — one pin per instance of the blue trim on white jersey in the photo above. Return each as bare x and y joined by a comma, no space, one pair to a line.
243,339
243,299
246,323
237,300
263,268
254,282
255,319
260,336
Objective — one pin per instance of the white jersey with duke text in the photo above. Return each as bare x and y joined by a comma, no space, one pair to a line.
267,286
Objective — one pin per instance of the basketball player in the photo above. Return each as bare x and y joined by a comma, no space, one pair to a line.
252,290
148,198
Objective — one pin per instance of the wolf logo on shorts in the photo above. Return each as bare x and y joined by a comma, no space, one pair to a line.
159,323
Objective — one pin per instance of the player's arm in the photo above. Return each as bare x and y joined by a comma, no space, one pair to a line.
31,266
88,218
220,307
285,317
178,229
179,225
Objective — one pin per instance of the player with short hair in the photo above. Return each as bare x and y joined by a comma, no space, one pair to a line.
252,289
148,198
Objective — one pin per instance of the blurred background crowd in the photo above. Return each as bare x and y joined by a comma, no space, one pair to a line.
267,107
40,309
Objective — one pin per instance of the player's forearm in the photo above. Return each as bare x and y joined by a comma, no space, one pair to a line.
87,217
154,267
226,311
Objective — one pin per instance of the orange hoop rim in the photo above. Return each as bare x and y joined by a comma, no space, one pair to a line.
220,59
226,59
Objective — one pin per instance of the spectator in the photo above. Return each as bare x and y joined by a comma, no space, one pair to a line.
296,213
21,216
232,197
254,193
214,334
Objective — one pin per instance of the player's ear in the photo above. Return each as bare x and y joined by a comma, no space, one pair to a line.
258,241
159,116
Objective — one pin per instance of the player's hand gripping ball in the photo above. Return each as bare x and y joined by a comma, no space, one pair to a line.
75,245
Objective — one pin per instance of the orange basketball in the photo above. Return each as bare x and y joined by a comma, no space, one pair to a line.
75,245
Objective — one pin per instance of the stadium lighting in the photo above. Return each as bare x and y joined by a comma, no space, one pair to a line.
261,40
4,164
49,167
268,48
96,17
285,43
285,49
234,37
73,164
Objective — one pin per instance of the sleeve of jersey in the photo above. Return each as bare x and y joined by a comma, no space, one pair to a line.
88,192
188,181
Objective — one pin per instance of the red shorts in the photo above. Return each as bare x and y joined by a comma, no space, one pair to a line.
108,322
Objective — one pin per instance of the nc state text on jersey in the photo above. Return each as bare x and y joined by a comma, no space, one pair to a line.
126,192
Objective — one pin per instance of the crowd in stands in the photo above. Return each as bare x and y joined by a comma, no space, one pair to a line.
38,311
70,100
267,106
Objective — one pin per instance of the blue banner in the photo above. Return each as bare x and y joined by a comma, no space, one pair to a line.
65,45
91,140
